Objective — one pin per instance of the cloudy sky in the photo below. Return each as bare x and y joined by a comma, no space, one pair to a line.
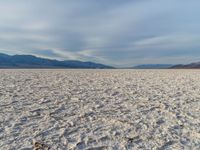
114,32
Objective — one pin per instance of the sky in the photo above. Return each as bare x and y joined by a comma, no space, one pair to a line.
121,33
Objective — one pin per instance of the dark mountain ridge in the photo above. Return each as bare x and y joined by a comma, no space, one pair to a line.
187,66
30,61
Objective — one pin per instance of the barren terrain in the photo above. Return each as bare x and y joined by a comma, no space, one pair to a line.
99,109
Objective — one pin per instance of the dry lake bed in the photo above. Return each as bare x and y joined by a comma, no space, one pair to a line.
99,109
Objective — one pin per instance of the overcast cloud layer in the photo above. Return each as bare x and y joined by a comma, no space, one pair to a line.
115,32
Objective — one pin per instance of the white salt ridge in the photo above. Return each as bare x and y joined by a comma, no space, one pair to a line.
100,109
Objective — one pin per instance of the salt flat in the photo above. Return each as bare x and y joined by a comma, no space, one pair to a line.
100,109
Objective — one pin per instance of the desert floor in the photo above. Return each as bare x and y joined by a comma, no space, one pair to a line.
99,109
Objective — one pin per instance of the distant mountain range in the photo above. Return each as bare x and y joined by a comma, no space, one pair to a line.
30,61
169,66
153,66
187,66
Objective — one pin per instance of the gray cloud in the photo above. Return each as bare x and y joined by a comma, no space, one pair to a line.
121,33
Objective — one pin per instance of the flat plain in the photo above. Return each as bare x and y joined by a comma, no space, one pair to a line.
99,109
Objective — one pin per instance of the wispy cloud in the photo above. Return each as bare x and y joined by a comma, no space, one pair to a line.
121,33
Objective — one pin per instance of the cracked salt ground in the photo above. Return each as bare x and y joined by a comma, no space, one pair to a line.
99,109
